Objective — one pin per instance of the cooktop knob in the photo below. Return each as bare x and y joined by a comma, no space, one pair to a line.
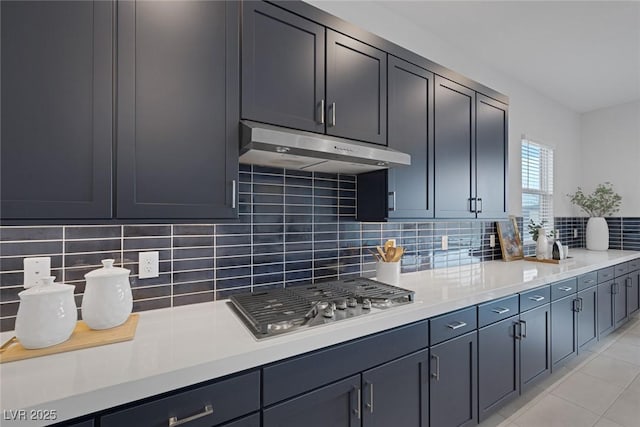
328,312
341,304
366,304
352,302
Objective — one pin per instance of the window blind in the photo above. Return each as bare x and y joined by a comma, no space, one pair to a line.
537,185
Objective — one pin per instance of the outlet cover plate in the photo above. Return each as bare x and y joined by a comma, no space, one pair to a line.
148,264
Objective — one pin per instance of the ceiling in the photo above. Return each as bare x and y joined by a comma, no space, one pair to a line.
583,54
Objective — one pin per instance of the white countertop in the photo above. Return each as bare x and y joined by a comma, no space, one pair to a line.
181,346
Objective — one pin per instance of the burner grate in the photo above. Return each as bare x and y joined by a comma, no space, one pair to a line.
264,309
277,310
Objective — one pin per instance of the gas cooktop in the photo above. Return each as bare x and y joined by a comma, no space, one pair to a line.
276,311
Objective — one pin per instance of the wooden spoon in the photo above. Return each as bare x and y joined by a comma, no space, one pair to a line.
391,253
399,251
382,254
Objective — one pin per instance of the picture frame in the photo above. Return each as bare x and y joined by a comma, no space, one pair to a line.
510,241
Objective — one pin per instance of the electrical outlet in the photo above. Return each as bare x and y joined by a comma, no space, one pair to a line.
575,233
492,240
35,269
148,264
445,243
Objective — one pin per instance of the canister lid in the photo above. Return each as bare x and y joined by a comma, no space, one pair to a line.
107,270
46,287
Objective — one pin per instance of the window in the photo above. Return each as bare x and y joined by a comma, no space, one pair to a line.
537,185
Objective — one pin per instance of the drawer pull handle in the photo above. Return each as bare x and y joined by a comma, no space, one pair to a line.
589,281
536,298
457,325
500,310
174,421
322,112
565,288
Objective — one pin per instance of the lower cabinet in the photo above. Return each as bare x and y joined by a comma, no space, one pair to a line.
620,301
395,393
606,322
535,346
334,405
249,421
587,315
563,330
498,365
453,389
632,284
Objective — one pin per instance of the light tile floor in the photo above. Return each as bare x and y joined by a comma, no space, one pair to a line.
600,387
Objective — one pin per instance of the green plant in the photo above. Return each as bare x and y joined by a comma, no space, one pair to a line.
604,201
534,229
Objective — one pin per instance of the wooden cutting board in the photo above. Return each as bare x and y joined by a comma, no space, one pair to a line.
547,260
82,337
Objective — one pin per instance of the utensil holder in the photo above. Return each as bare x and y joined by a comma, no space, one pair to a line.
388,272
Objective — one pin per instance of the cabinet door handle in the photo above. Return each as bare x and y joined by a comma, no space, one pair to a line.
356,410
472,204
614,288
523,331
332,118
536,298
436,374
370,404
322,112
479,210
576,306
500,310
580,301
517,330
628,281
233,194
174,421
456,325
393,196
565,288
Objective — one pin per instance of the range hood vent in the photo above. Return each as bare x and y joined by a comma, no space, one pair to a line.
268,145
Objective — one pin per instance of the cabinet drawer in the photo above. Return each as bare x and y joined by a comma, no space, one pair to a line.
300,374
634,265
621,269
534,298
605,274
493,311
215,403
452,325
587,280
563,288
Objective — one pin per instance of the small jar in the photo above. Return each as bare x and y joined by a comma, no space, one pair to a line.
107,300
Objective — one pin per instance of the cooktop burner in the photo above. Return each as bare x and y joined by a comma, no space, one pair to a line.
276,311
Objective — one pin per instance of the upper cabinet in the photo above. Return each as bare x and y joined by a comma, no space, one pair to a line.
283,59
356,89
178,86
491,157
470,153
409,189
56,110
285,67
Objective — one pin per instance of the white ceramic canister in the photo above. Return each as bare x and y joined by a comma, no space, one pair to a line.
107,300
47,314
388,272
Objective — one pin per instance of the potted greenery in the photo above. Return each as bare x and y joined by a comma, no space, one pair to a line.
604,201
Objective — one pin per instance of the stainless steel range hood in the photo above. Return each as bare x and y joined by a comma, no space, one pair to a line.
268,145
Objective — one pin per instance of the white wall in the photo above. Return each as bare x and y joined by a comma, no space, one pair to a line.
611,152
530,113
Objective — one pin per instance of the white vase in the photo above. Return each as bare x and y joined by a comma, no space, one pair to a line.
597,234
542,245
